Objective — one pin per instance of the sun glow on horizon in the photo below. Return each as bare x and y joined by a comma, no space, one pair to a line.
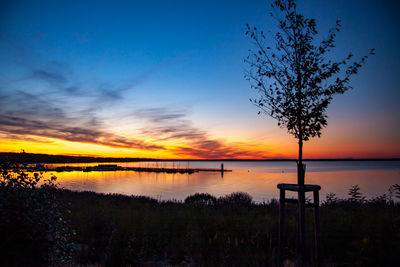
174,150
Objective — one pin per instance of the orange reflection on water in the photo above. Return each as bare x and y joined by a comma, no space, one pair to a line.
259,179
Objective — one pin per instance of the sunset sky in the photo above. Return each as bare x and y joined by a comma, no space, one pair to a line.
165,79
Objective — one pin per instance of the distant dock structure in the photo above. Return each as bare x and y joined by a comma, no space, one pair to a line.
114,167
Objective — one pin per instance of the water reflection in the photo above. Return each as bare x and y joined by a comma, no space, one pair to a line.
259,179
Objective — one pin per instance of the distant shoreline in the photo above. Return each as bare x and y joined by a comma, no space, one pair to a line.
30,158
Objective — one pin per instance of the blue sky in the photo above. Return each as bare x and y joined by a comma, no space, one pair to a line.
115,66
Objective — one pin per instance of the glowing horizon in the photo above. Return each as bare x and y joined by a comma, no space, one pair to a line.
312,150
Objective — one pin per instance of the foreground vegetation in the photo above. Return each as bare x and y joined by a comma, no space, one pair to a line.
46,225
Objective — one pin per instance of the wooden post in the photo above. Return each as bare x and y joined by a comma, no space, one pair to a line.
281,225
301,258
301,248
317,230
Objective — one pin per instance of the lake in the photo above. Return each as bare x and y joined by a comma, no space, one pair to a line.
258,178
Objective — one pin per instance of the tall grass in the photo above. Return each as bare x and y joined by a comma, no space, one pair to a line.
227,231
45,225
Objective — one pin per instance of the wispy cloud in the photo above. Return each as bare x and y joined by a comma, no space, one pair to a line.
62,105
57,79
28,114
53,113
51,77
17,126
166,125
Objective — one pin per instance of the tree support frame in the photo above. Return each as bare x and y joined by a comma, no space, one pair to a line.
301,244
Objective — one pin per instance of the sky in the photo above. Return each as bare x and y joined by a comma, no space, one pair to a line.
165,79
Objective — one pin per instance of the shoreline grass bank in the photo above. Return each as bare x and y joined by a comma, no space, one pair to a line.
45,225
227,231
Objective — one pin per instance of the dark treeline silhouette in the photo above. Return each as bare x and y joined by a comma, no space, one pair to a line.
28,158
32,158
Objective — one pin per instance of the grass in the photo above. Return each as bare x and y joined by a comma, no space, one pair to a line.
44,225
232,231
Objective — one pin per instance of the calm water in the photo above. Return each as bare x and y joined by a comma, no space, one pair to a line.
259,179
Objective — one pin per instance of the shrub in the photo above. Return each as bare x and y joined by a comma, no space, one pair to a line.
330,200
32,227
394,191
201,199
355,194
236,199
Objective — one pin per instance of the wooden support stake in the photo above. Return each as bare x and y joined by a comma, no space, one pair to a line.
281,225
301,248
301,245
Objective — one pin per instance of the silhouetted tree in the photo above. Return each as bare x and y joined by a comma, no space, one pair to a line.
293,75
297,81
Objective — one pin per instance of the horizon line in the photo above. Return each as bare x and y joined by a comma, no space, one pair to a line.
93,157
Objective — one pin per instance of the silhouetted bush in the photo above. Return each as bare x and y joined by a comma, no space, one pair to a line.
201,199
355,195
394,192
236,199
330,200
32,227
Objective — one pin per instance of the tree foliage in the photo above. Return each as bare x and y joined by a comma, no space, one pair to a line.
293,74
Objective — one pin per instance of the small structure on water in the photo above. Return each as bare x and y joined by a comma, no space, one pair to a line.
114,167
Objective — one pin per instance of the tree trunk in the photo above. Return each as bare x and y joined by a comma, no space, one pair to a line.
300,166
301,248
